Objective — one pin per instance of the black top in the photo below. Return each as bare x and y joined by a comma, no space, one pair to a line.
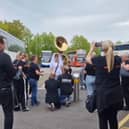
32,71
90,69
70,70
66,83
15,63
52,86
108,89
19,63
23,64
26,67
7,71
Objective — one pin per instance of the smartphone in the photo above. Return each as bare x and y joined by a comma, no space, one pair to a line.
98,44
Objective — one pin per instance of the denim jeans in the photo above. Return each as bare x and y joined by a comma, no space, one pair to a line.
34,86
64,98
90,84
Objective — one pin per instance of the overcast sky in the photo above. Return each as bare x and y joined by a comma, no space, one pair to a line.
95,19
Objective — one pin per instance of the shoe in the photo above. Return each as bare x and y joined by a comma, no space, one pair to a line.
37,103
67,104
82,88
52,107
26,110
17,108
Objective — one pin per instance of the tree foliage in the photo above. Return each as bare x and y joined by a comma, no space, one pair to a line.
41,42
36,43
79,42
119,42
17,29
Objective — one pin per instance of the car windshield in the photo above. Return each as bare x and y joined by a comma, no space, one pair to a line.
80,59
46,57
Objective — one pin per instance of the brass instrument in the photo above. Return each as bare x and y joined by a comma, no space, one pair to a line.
61,44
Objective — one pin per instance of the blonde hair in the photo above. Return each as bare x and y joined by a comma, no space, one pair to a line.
107,46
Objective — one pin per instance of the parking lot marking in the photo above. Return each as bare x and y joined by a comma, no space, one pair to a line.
124,121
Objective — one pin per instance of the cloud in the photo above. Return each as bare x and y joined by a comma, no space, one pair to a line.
79,22
122,24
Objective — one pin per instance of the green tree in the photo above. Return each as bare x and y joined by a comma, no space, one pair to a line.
41,42
17,29
119,42
79,42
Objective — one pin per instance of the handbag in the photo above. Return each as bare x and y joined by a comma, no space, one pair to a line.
124,72
91,103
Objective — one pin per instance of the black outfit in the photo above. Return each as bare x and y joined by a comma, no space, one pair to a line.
70,70
109,115
7,73
90,69
52,96
66,84
125,86
19,87
109,96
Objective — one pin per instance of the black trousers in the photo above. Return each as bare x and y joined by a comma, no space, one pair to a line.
7,107
20,93
108,117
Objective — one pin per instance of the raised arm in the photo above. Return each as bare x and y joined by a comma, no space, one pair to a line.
89,55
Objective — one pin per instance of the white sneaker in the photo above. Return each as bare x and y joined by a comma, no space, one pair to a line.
51,106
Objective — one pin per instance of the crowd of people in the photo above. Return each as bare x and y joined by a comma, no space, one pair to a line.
104,79
26,79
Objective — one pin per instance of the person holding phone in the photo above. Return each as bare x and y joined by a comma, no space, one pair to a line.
109,96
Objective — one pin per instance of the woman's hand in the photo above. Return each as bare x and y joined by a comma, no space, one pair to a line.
39,73
89,55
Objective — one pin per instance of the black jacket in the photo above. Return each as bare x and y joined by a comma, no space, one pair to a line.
52,86
7,71
66,84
